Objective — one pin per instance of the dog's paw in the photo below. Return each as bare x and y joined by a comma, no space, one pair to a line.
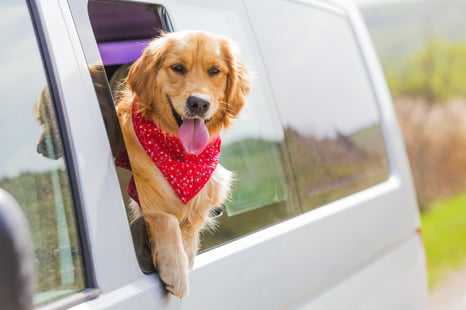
175,281
174,274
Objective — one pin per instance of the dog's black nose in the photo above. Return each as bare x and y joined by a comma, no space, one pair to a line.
197,105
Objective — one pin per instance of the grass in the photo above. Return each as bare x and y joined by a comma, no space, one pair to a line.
444,232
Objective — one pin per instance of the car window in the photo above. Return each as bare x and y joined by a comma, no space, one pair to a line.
32,168
325,98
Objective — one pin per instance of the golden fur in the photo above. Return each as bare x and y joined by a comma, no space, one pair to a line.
171,69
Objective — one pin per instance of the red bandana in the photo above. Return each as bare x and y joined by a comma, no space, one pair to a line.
186,173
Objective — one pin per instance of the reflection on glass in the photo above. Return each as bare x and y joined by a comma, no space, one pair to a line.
31,165
252,149
260,177
335,167
325,99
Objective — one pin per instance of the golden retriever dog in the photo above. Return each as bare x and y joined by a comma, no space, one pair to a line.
184,89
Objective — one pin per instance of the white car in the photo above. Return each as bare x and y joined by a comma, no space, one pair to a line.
323,214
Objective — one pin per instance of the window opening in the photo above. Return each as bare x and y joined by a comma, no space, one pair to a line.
122,30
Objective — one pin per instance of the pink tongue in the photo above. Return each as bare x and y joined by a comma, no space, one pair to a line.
193,135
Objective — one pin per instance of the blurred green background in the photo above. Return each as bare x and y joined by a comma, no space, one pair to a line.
422,47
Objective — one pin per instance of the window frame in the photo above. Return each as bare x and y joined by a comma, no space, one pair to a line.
91,289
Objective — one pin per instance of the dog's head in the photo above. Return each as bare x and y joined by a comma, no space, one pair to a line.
191,84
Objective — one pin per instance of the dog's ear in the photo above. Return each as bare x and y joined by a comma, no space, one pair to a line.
142,74
238,80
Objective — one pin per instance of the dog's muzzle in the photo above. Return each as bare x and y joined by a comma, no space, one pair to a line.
197,105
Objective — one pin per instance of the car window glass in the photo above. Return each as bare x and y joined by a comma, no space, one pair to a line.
325,99
32,168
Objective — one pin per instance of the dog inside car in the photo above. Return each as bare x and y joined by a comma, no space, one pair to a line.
180,94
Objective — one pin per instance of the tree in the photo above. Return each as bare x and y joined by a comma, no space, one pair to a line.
437,73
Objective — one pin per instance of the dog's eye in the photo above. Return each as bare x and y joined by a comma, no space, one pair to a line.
179,68
213,71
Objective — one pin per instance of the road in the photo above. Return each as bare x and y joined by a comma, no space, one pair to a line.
450,293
